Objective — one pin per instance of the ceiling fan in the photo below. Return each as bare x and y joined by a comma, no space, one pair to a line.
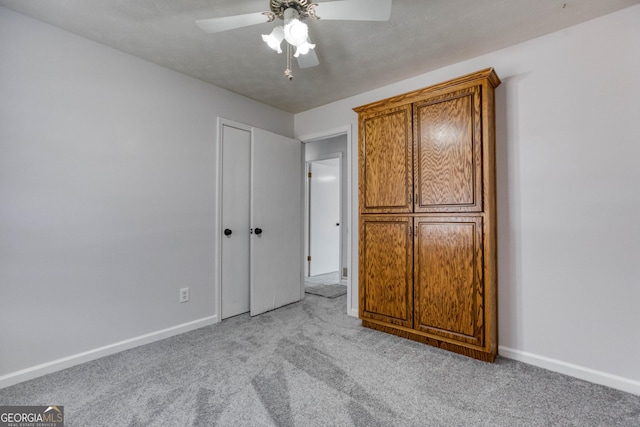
293,30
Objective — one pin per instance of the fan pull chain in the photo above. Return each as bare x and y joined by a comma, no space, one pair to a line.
288,73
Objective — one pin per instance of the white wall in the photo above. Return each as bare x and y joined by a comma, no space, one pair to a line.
106,197
568,144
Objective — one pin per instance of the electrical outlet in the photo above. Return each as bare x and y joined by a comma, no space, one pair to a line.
184,295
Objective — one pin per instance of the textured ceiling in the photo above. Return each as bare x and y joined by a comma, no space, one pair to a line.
422,35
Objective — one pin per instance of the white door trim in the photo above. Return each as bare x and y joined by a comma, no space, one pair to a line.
351,223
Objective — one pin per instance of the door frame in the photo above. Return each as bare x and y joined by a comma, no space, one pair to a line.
307,210
217,222
351,222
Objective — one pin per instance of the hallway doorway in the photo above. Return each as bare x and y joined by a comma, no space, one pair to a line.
326,207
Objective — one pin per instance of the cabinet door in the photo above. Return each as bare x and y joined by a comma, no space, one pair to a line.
448,160
386,161
448,276
386,275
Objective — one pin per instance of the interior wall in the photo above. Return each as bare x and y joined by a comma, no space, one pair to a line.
568,164
107,192
316,149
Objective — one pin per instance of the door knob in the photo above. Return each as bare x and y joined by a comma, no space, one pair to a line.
227,232
258,231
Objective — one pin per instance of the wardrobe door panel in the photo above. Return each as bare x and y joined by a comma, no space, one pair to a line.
448,133
386,276
448,278
386,165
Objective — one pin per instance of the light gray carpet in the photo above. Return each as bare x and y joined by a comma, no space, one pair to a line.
308,364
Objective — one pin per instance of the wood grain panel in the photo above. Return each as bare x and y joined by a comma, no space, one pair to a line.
448,161
448,278
487,76
480,353
386,162
386,259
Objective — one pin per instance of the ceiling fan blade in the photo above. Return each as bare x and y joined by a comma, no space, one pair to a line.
217,25
308,60
355,10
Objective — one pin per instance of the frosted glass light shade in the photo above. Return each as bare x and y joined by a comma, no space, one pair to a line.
303,48
296,32
275,38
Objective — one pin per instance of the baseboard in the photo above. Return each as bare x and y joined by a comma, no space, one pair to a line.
587,374
87,356
353,312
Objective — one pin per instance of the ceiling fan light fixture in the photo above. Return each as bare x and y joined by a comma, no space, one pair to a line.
293,30
304,48
275,38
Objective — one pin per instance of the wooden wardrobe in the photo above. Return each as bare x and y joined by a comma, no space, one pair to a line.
427,215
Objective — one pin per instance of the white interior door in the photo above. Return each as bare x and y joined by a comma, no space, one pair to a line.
235,221
324,216
276,220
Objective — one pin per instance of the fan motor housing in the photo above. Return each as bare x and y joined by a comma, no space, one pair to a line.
303,7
